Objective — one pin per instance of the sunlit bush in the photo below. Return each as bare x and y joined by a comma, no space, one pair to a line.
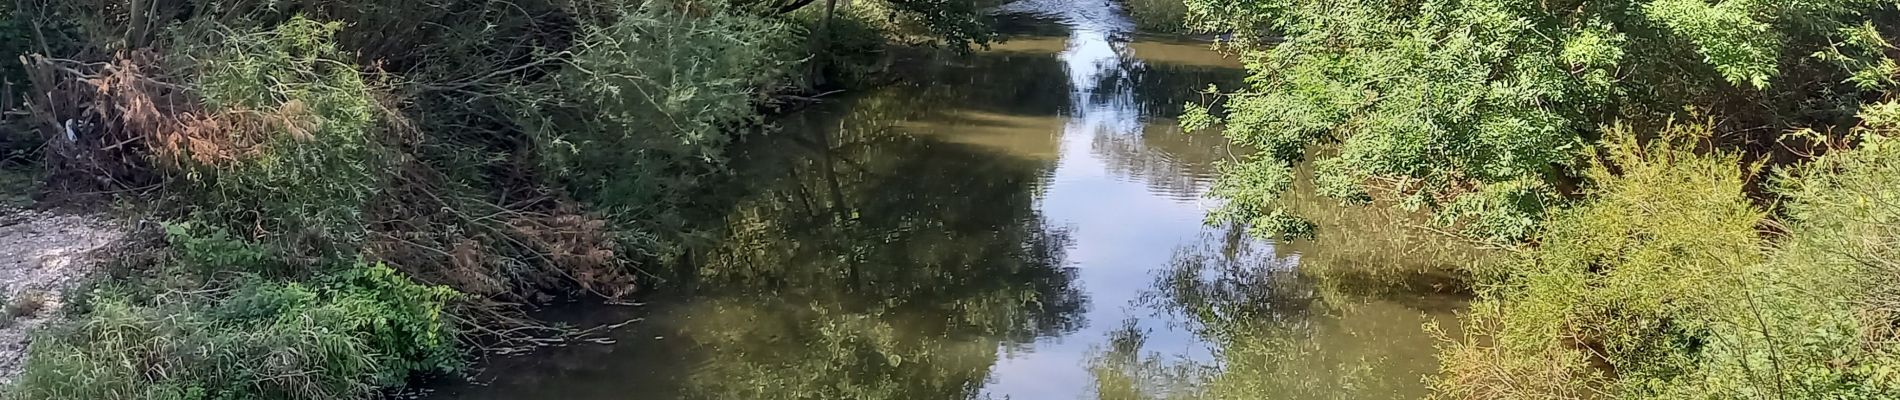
1661,286
1432,102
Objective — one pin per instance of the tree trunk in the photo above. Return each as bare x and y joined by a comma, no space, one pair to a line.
135,23
820,43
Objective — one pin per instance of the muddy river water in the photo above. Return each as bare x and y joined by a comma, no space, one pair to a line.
1026,222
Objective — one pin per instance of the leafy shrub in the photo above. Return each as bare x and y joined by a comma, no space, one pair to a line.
1840,252
650,102
1436,99
1161,16
1660,286
365,326
1511,211
1638,275
288,144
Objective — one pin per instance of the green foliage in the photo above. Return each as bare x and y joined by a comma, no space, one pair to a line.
366,326
1512,210
956,24
1657,283
1843,219
1434,100
1243,183
15,40
290,148
1158,16
852,45
207,251
649,103
1659,287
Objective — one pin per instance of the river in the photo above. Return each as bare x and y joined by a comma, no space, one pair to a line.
1025,222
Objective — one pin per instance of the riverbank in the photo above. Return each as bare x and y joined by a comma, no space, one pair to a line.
1025,222
1677,220
44,256
346,207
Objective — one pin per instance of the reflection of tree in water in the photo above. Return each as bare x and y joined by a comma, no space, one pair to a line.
1168,161
1022,83
1123,372
1158,154
1277,334
1159,90
1231,283
879,265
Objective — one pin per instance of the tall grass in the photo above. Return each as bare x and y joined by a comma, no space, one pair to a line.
164,336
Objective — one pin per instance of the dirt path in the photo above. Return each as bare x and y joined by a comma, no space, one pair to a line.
42,254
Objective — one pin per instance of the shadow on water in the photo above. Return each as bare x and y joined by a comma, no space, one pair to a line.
875,264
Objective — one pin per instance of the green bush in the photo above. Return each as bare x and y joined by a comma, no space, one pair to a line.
1159,16
289,145
362,328
15,39
1840,254
1660,287
1436,99
649,103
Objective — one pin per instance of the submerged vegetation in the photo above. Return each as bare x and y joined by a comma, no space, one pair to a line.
356,194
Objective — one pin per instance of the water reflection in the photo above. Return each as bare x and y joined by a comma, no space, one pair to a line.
1279,332
885,266
1009,224
862,261
1169,162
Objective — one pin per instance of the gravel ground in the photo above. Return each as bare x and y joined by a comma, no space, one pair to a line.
42,254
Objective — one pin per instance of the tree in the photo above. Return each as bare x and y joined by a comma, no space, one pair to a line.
1480,109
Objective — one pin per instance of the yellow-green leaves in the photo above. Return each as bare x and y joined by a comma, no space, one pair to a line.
1738,45
1883,116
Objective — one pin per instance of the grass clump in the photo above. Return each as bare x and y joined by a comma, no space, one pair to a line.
363,327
